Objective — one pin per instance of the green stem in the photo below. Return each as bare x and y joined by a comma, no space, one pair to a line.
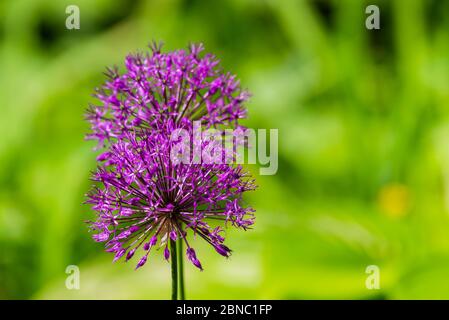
174,271
181,271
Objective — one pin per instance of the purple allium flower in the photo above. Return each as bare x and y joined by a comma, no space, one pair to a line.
143,199
181,85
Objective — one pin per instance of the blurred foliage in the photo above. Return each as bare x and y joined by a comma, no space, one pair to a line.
363,118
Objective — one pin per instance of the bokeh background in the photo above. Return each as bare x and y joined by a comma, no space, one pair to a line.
363,119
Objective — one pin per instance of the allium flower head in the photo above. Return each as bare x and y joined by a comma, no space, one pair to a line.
142,196
144,199
181,85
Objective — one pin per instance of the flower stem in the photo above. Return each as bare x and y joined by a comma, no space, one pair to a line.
181,271
174,270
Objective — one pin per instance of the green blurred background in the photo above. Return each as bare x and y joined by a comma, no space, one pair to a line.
363,119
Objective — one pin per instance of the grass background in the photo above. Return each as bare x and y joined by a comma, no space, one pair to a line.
363,119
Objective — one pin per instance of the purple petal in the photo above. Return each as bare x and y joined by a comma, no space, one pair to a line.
191,255
101,237
223,250
166,253
142,261
130,254
119,254
153,240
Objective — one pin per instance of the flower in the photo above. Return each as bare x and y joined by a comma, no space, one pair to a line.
180,85
143,199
